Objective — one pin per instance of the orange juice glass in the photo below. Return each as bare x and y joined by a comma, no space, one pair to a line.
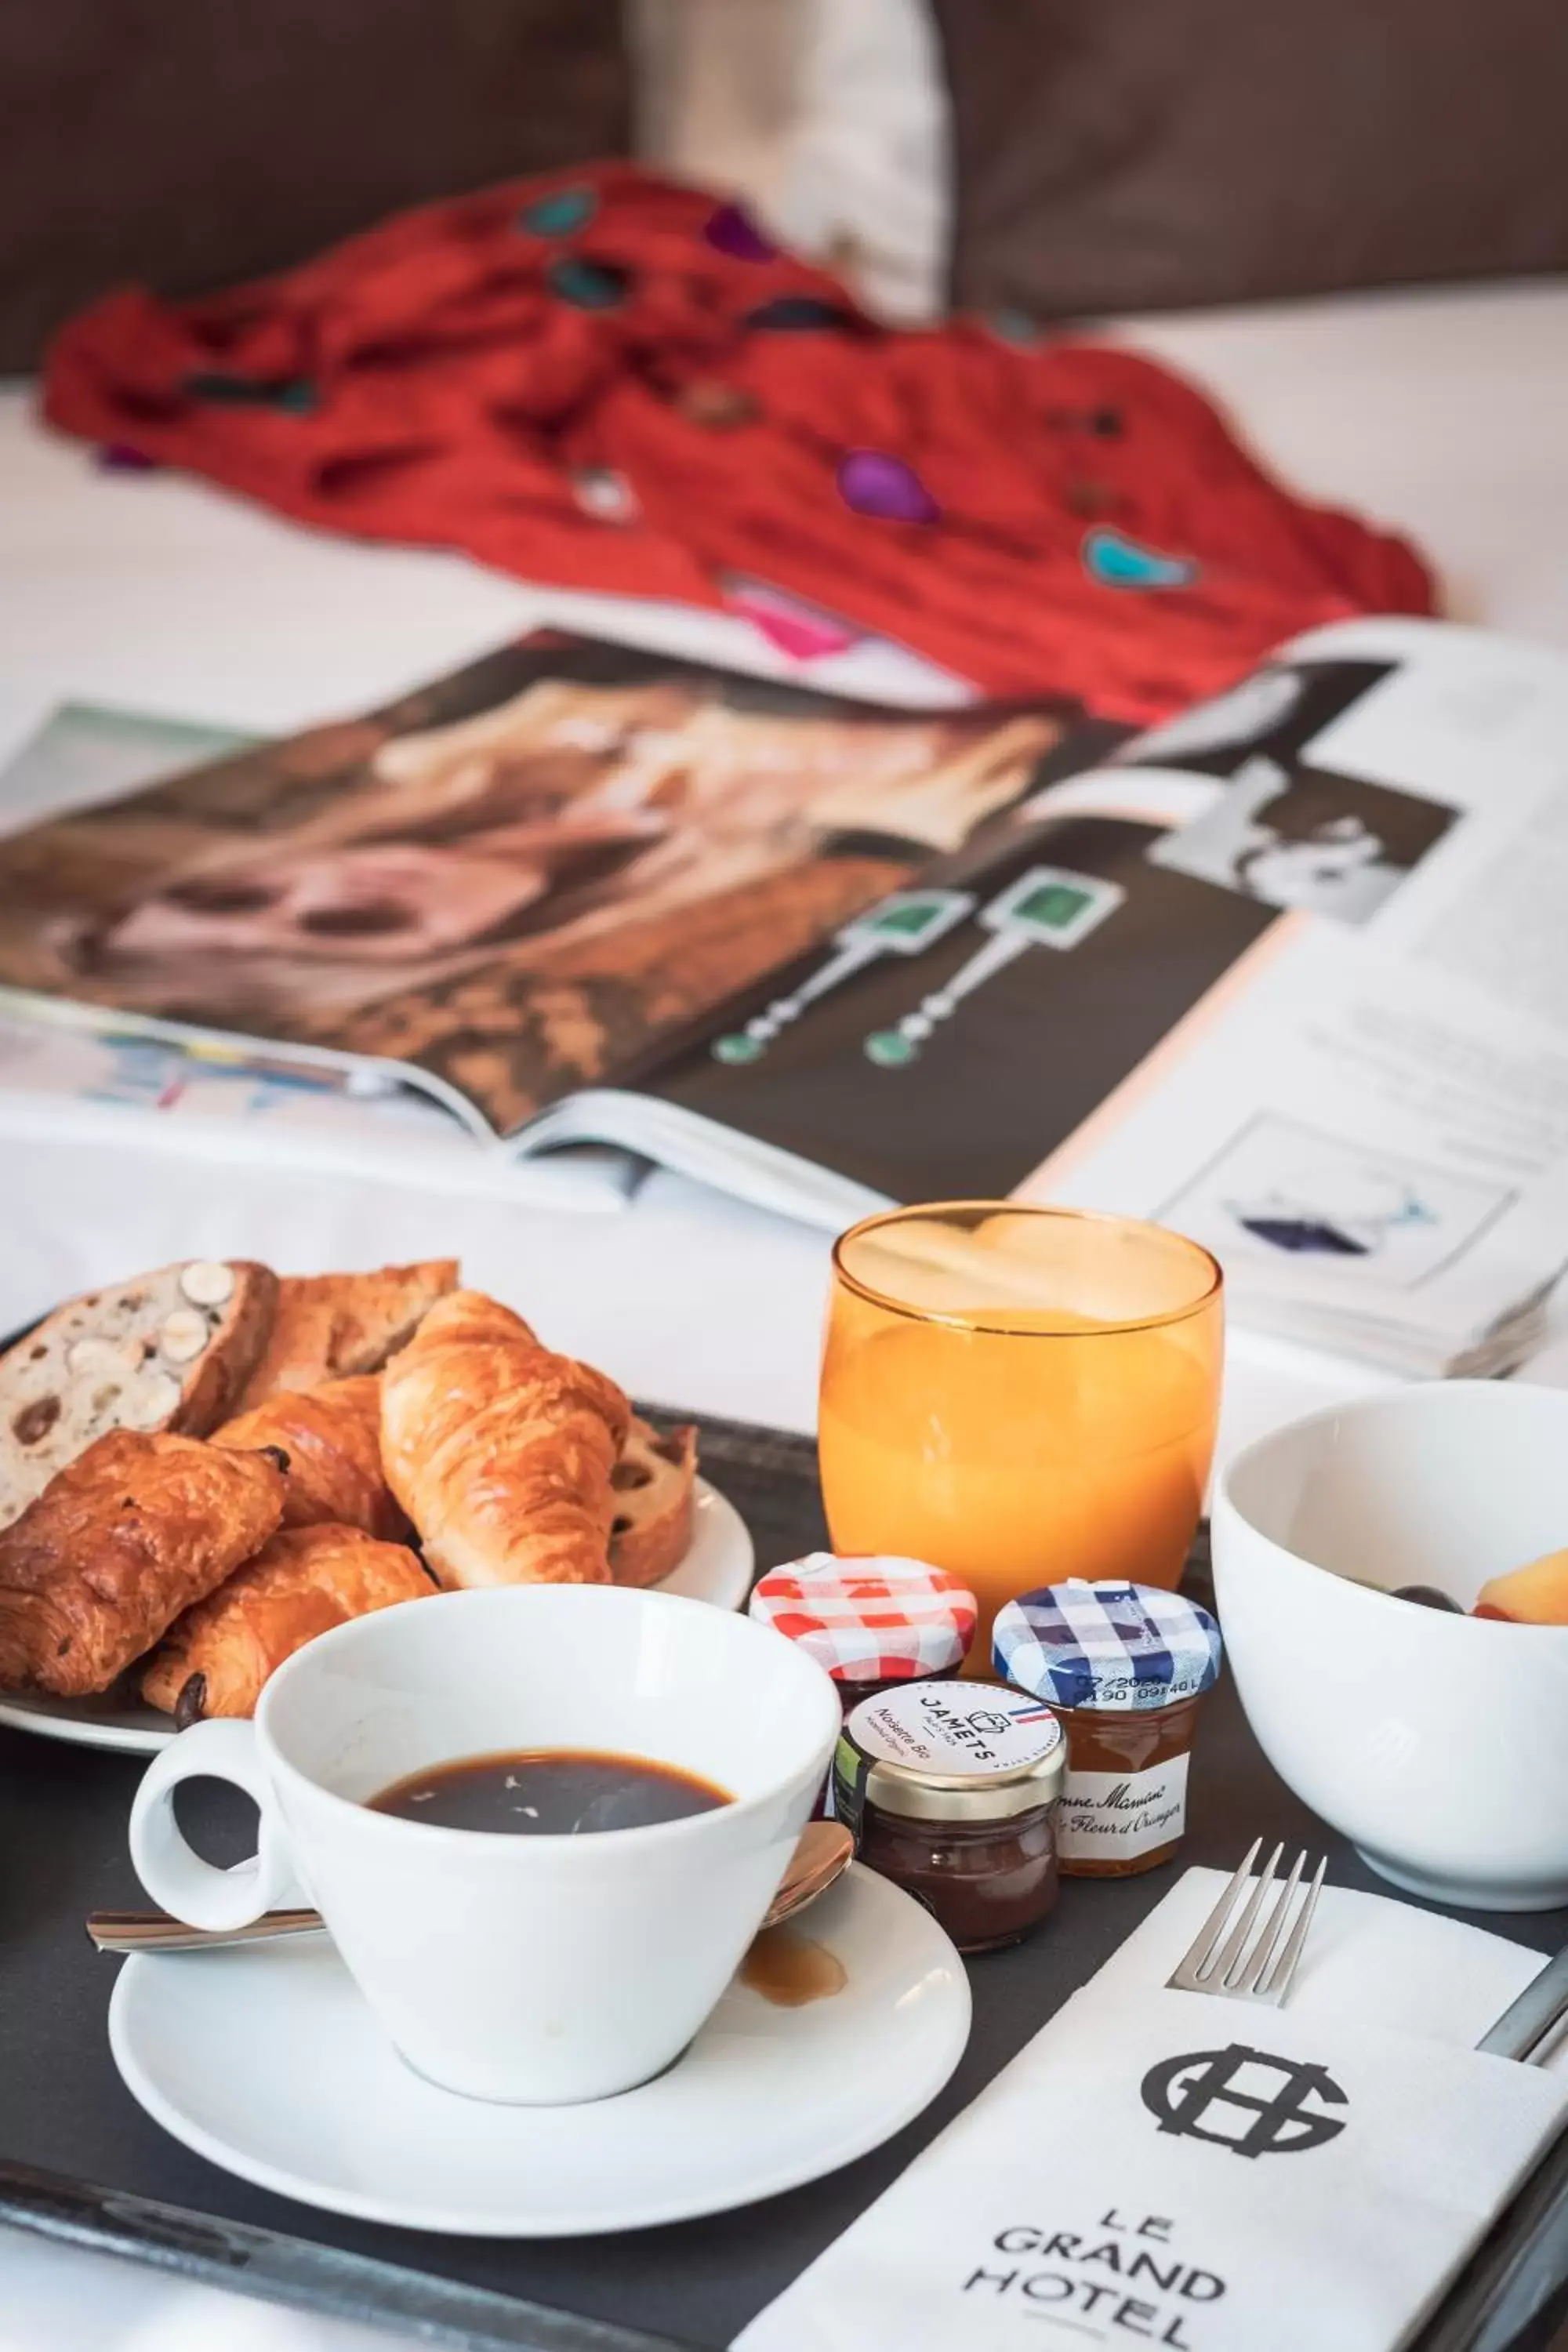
1020,1395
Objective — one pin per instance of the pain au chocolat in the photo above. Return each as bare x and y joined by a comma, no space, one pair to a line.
120,1541
216,1658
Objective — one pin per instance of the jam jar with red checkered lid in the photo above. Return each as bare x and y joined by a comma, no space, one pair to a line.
1124,1667
871,1621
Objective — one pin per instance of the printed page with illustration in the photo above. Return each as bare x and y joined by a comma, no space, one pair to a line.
1367,1119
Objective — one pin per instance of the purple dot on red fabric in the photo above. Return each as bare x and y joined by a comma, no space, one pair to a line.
870,482
120,457
730,230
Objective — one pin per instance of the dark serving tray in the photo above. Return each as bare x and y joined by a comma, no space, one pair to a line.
80,2160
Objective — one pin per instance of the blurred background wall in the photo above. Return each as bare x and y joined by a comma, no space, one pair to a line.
1061,158
192,143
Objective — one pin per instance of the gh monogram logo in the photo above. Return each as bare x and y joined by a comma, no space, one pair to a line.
1181,2091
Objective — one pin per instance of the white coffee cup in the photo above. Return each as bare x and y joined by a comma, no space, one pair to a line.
540,1969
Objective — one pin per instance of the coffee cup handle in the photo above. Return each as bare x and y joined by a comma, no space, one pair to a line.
173,1874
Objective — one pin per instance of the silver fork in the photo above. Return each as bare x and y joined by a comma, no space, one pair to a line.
1239,1966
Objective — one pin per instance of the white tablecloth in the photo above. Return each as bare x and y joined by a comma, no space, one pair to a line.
1439,413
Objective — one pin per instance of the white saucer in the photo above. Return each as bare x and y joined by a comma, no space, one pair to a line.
265,2059
717,1568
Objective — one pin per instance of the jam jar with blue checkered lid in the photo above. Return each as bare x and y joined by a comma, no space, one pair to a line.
1124,1667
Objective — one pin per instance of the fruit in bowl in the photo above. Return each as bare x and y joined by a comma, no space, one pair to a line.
1436,1741
1533,1595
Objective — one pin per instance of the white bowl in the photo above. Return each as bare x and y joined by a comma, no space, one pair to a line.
1438,1744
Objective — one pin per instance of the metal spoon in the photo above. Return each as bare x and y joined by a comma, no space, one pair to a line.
824,1853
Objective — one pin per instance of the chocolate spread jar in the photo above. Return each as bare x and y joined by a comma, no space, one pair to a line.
1125,1666
950,1790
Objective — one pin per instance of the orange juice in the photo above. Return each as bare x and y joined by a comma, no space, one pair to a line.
1018,1446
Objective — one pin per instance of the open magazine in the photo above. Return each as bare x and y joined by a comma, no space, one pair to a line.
1287,973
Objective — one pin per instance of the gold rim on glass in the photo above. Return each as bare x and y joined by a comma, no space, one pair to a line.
980,1320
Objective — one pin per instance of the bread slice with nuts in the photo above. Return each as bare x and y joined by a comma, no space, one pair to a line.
653,1483
172,1349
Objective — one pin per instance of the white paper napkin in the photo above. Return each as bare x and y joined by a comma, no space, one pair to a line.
1209,2176
1370,1959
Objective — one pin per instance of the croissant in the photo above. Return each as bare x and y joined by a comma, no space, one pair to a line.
332,1436
216,1658
327,1327
117,1544
500,1451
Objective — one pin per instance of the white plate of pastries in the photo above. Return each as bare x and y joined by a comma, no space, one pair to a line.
204,1467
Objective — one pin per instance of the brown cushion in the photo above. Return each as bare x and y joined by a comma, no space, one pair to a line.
192,143
1124,154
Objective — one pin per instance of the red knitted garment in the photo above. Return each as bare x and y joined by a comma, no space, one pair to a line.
602,380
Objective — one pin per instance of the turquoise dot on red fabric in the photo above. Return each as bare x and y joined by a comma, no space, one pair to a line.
872,482
730,230
557,214
1118,561
295,395
796,314
589,284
